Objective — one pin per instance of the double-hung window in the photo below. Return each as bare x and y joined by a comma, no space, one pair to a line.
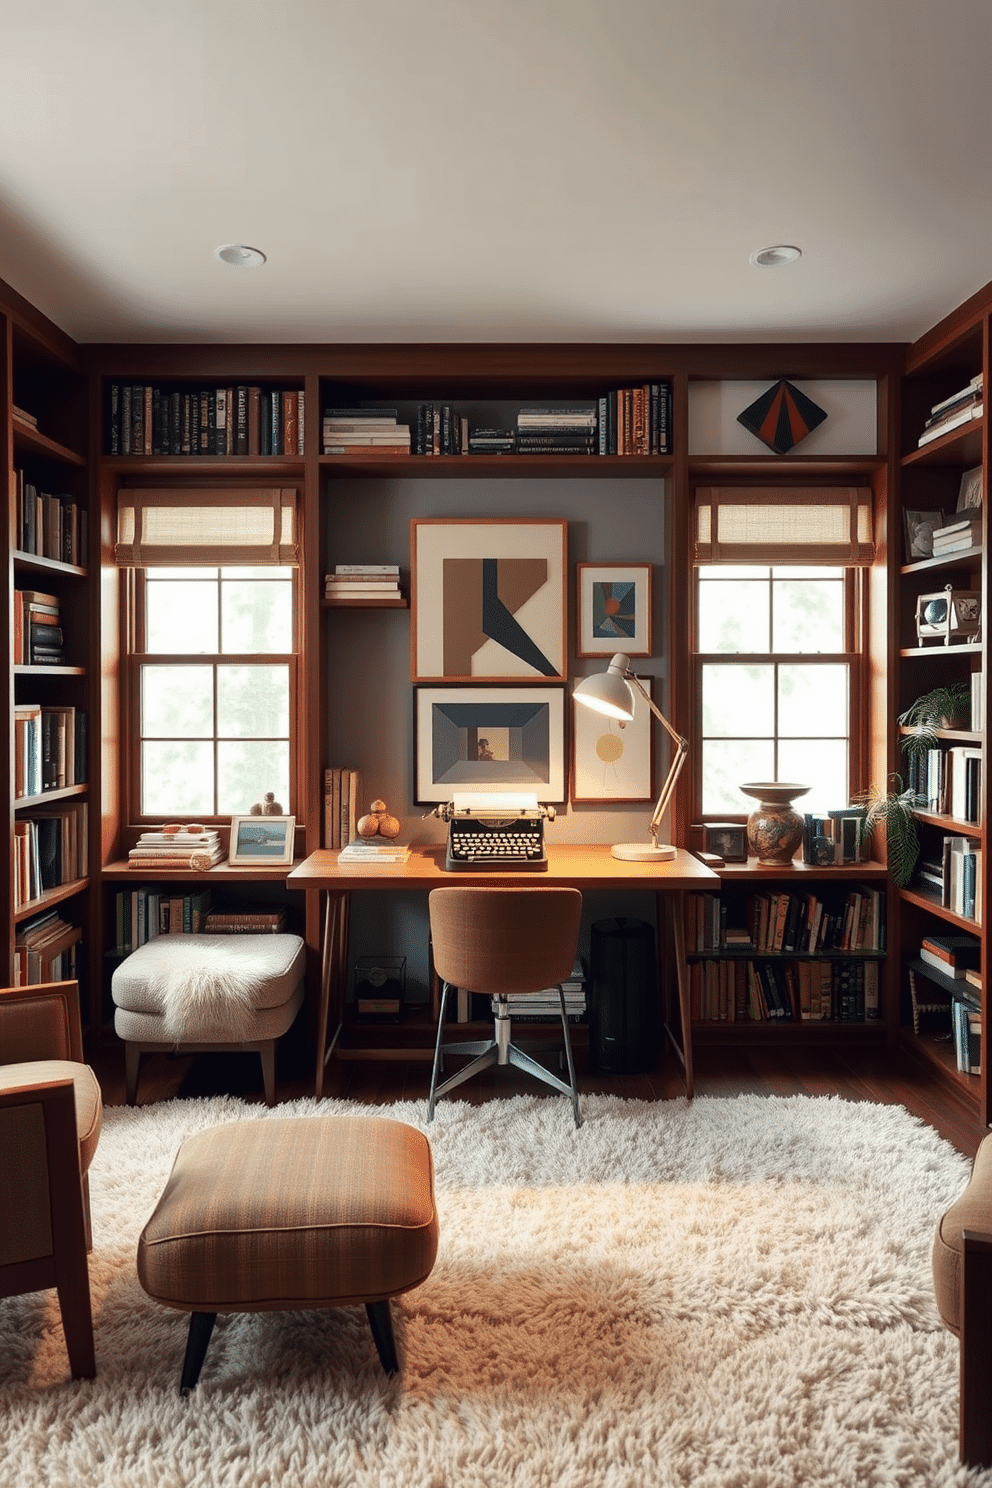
779,621
211,674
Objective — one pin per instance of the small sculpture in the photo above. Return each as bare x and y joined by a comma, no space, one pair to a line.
378,822
267,806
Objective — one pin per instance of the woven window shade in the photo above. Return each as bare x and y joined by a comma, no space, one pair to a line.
781,524
190,528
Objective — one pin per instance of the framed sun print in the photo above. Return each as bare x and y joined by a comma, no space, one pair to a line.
613,609
489,739
612,761
487,600
260,841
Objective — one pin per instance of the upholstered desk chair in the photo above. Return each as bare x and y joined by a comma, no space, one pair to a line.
50,1116
503,942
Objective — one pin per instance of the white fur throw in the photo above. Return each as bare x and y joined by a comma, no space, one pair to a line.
203,985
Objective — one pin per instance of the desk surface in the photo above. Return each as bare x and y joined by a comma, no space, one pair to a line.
574,865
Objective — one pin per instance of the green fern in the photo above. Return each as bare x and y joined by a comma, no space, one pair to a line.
896,810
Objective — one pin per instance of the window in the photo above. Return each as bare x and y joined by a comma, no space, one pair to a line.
777,682
212,683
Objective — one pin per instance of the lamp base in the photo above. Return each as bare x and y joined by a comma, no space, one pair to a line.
643,852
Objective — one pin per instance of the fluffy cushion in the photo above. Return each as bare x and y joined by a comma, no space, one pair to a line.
204,983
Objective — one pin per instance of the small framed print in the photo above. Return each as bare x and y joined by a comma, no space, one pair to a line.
611,761
920,527
728,840
261,841
613,609
488,740
970,490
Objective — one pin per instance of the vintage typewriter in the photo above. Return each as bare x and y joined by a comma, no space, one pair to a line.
505,830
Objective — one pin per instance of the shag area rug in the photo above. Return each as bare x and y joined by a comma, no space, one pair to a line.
722,1292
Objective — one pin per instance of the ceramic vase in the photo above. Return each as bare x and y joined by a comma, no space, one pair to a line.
774,829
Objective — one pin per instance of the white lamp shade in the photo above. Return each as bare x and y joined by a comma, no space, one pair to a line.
608,692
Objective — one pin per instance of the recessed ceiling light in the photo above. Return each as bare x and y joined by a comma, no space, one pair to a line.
240,256
770,258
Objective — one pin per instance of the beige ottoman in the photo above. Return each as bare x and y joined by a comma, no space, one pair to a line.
275,1215
191,994
962,1279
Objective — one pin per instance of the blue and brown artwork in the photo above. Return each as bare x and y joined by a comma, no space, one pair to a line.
614,610
482,599
781,417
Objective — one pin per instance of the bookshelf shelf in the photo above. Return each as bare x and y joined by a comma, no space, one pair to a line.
49,897
32,563
28,440
62,793
503,467
213,465
933,906
118,871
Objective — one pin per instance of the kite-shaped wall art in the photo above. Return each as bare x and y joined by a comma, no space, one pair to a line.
781,417
488,600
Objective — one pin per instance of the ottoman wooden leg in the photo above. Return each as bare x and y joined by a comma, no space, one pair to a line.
201,1325
381,1323
132,1062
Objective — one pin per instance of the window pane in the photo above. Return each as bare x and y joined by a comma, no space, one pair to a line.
181,616
177,702
253,702
726,765
820,763
733,616
808,616
256,616
812,700
801,571
177,778
262,571
738,700
246,770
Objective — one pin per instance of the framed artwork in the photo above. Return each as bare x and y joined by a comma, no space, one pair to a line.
259,841
970,490
613,608
487,600
920,527
612,761
489,739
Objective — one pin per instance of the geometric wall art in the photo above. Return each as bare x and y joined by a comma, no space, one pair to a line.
487,599
486,740
613,609
782,416
612,761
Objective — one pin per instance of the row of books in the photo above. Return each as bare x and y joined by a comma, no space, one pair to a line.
342,795
950,413
789,922
143,914
948,781
532,1007
50,849
176,847
955,876
241,420
362,583
966,1027
368,431
49,748
836,837
46,950
38,638
957,535
48,525
956,956
784,991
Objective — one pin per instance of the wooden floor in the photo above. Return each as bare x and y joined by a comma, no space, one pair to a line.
855,1074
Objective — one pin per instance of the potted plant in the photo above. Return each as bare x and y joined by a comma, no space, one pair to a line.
895,810
942,707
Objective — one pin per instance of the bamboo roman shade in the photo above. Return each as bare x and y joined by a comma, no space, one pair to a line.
784,524
183,528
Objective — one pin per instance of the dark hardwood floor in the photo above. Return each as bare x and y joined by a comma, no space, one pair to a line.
856,1074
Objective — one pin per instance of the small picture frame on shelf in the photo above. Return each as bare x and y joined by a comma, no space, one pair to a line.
970,490
728,840
261,841
613,609
920,527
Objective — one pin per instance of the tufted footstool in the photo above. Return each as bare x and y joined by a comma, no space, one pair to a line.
292,1213
962,1279
190,994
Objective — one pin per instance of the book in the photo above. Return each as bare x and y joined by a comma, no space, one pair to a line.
367,850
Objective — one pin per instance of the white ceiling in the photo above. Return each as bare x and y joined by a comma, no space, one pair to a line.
510,170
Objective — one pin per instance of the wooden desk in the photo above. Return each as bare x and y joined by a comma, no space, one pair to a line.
580,867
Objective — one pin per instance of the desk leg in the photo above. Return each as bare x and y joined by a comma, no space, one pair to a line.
674,904
333,961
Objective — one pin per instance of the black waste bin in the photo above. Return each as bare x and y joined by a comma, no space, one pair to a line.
624,1016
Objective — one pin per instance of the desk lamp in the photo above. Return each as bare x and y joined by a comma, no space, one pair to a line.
612,692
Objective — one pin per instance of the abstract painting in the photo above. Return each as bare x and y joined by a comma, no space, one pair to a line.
488,600
611,761
614,609
782,416
489,739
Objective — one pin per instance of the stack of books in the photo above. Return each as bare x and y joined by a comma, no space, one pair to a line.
491,441
363,583
958,535
247,922
545,1007
564,429
953,955
37,632
374,850
364,431
182,848
950,413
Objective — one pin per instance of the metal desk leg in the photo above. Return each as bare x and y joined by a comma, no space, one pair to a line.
333,961
674,904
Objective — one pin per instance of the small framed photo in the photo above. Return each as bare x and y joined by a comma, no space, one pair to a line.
261,841
920,526
970,490
728,840
613,609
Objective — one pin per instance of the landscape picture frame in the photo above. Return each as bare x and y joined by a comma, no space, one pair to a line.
261,841
613,761
486,740
488,600
613,609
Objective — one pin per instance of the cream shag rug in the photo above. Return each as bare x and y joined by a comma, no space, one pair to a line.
727,1292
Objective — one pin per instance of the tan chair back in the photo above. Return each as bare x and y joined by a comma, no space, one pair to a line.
504,940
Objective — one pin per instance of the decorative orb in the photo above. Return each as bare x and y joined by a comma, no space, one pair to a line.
378,806
368,826
935,613
609,748
389,826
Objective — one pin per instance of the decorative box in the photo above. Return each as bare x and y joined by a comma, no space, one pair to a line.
380,988
949,615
